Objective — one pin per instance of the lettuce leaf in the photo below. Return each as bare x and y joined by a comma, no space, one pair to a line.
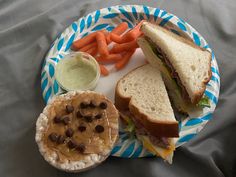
130,126
204,102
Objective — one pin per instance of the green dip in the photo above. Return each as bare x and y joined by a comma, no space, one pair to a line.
75,72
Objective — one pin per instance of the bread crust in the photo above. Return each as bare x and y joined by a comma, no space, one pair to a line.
197,95
157,128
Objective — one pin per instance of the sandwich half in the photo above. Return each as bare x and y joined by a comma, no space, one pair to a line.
185,67
143,102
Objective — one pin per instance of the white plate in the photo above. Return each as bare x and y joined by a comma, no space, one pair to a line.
108,18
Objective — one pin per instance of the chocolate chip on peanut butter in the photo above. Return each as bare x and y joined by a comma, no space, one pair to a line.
53,137
57,119
83,105
103,105
69,132
79,115
98,116
88,118
66,120
61,139
72,144
69,109
92,104
81,128
81,148
99,129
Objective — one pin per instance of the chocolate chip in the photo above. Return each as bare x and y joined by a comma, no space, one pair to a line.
69,109
83,105
66,120
69,132
99,129
81,128
57,119
53,137
71,144
103,105
79,115
92,104
98,116
88,118
81,148
61,139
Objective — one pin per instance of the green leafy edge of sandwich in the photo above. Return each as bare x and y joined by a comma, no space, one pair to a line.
204,102
130,127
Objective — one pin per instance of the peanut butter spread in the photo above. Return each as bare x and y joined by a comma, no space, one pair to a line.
86,124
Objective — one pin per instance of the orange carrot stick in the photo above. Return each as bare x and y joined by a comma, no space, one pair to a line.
121,64
85,40
118,48
121,28
116,38
133,33
112,58
92,51
102,44
89,46
103,70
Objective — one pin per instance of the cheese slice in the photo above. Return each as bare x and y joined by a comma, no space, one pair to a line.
166,154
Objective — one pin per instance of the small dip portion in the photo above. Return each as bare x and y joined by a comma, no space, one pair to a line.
77,71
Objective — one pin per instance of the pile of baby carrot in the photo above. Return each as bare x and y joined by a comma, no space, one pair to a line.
123,44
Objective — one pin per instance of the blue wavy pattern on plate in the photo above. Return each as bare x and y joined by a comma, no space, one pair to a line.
89,21
156,14
128,146
111,15
100,27
134,13
60,43
74,26
181,26
97,15
82,25
68,45
146,11
186,138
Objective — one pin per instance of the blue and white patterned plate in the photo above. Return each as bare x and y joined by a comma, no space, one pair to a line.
108,18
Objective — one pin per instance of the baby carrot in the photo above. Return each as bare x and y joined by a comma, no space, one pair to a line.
112,58
118,48
103,70
102,44
92,51
89,46
121,64
116,38
121,28
133,33
85,40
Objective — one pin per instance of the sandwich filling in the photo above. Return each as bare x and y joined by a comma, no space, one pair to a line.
160,146
157,50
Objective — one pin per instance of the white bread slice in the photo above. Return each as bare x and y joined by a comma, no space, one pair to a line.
143,92
172,88
191,62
